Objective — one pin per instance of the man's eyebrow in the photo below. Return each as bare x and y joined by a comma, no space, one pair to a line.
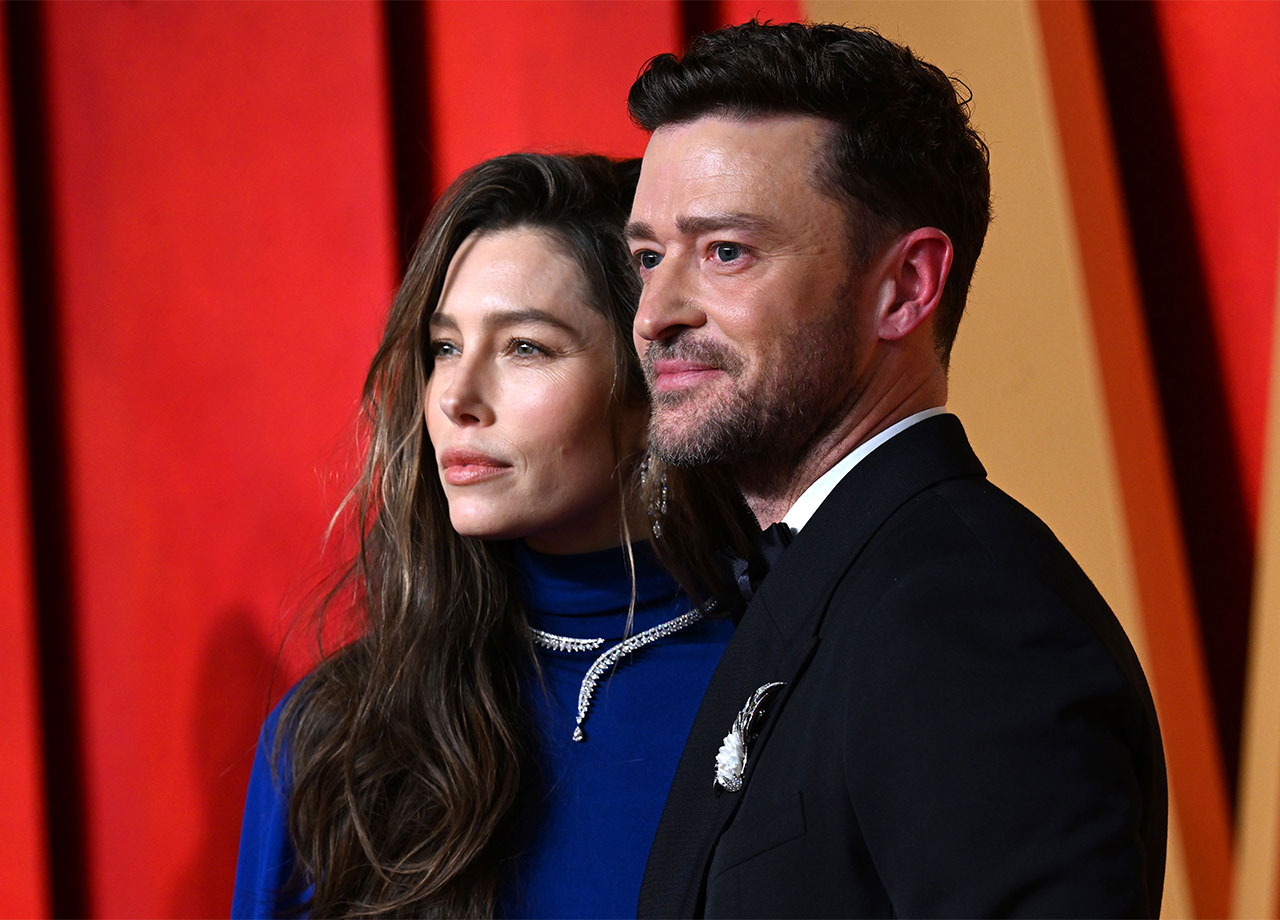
499,319
638,230
692,226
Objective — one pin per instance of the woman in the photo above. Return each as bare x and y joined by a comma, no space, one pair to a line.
489,744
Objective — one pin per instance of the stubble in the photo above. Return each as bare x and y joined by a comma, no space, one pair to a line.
762,428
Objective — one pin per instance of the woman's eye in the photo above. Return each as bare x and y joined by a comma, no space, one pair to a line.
444,349
727,252
648,259
523,349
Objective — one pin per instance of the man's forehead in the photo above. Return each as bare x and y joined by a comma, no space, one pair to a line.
725,143
719,165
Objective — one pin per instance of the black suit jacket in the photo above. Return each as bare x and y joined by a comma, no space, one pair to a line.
964,730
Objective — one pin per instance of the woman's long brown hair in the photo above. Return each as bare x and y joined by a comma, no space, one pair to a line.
406,749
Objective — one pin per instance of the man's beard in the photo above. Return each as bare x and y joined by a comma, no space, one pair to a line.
770,422
718,428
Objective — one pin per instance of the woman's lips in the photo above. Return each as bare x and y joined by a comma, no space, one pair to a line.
673,374
465,467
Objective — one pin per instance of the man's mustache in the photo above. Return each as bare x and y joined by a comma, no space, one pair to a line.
685,347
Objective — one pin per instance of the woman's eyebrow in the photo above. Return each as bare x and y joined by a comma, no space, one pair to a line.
499,319
439,320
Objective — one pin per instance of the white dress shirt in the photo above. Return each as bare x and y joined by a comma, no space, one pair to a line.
821,487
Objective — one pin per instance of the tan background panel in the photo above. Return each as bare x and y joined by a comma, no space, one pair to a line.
1025,378
1257,888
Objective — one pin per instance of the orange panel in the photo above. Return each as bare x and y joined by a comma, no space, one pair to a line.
224,256
23,868
1178,677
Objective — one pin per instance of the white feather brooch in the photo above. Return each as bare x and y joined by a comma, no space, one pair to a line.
731,759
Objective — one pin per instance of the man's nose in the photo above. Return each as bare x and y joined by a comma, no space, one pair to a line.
668,303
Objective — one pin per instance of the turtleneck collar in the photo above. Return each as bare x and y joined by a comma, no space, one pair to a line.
589,584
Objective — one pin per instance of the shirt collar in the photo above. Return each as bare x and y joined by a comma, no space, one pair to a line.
821,487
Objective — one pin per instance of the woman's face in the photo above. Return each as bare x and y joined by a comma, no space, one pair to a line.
517,404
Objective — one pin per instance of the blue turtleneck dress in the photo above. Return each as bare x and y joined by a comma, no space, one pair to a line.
584,831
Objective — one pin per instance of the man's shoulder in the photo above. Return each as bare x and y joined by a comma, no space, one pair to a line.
968,540
965,564
918,526
973,510
936,507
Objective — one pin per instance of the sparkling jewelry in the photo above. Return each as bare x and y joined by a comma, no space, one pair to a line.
731,759
564,643
613,655
657,502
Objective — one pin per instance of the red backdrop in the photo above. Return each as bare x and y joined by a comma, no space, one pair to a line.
1224,82
23,856
220,189
202,211
220,195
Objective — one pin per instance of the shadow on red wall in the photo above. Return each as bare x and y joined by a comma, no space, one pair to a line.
236,666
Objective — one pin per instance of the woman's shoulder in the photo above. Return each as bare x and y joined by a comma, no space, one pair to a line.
266,859
270,729
315,695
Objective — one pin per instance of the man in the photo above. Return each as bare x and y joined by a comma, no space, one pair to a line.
927,709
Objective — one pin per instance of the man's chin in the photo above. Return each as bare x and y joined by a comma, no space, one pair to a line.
673,435
685,439
673,399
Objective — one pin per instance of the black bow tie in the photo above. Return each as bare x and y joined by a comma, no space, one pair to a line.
765,550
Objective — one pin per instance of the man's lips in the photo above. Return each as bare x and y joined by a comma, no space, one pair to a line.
678,374
463,467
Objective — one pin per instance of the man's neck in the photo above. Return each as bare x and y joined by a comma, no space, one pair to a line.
771,486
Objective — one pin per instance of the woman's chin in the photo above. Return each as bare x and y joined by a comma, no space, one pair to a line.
483,530
555,534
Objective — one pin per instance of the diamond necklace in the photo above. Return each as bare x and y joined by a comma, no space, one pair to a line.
613,655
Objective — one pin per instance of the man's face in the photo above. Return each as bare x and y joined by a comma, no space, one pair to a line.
751,318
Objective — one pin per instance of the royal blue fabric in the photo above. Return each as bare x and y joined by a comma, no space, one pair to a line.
583,835
266,857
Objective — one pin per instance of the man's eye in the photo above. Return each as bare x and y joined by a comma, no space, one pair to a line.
648,259
727,252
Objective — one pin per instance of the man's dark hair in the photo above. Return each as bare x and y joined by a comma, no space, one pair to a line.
902,154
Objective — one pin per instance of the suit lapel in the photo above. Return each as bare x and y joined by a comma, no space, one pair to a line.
696,808
775,640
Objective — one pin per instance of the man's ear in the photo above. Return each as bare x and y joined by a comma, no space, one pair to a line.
913,273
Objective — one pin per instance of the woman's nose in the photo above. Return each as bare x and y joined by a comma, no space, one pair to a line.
465,398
